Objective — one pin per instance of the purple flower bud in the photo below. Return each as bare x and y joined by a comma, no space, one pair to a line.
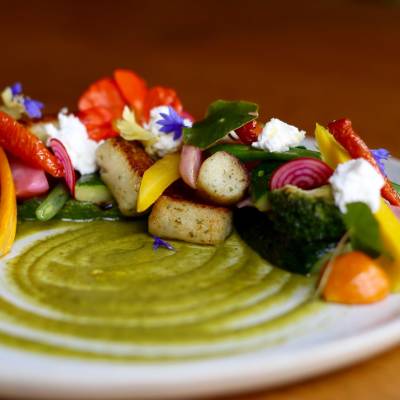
381,155
16,89
171,123
158,242
33,108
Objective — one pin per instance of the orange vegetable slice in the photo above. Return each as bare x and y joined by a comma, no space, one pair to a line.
8,206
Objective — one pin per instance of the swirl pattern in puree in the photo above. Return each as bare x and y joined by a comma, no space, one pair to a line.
99,290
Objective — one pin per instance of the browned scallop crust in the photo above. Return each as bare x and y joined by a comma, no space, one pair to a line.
177,218
122,165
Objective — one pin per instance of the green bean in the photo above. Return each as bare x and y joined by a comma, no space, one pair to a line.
248,153
396,186
53,203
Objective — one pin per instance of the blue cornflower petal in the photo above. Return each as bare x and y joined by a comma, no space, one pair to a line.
158,242
16,89
33,108
171,123
381,155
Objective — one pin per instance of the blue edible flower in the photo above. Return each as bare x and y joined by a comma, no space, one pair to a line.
33,107
16,88
381,155
171,123
158,242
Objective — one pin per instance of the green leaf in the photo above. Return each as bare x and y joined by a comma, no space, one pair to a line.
396,186
247,153
260,177
221,118
363,229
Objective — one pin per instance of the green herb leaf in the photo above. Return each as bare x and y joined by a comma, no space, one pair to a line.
247,153
260,177
221,118
363,229
396,186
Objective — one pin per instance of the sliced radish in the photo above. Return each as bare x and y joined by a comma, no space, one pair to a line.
305,173
28,181
247,202
62,154
190,164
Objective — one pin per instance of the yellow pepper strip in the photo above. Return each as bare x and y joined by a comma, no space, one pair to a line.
156,179
8,206
390,233
333,154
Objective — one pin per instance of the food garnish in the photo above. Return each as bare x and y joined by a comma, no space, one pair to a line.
132,150
17,105
344,133
28,181
16,139
158,242
221,118
305,173
356,278
133,88
189,166
69,171
53,203
8,206
130,129
381,155
160,96
156,179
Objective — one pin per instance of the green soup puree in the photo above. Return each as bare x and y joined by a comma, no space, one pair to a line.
100,290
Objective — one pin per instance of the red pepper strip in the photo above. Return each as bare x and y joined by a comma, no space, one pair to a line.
343,132
16,139
133,88
161,96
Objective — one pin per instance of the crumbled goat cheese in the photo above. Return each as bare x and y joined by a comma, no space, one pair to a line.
357,181
278,136
74,136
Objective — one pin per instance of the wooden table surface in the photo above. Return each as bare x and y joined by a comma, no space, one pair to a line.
302,61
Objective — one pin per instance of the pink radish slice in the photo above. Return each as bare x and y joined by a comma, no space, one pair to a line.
245,203
28,181
396,211
62,154
190,164
305,173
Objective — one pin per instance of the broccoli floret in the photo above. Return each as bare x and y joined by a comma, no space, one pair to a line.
257,230
307,215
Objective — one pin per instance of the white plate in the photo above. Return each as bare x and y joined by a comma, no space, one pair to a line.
330,338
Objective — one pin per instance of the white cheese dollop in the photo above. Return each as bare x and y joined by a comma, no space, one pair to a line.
74,136
278,136
357,181
164,143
